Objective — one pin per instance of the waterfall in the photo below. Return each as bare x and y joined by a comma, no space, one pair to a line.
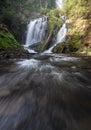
61,34
63,30
60,37
36,31
59,4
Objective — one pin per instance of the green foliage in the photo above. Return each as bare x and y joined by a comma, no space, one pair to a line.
44,11
23,8
77,7
41,47
53,19
72,44
79,26
75,43
7,40
54,12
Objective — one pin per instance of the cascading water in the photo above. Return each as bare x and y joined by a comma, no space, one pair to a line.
59,4
63,30
60,37
61,34
36,31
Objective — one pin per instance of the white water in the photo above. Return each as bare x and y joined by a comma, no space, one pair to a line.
36,31
32,63
60,37
59,4
63,30
61,34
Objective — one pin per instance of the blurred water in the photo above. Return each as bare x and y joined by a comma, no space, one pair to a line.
45,92
36,31
61,35
59,4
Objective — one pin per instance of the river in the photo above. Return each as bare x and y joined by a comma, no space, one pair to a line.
45,92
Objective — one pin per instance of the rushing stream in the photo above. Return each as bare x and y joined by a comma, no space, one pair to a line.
45,92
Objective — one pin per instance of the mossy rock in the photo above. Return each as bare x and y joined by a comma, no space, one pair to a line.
9,47
38,47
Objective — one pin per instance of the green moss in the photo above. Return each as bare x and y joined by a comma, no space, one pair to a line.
41,47
53,20
44,11
7,40
58,48
87,52
77,8
9,47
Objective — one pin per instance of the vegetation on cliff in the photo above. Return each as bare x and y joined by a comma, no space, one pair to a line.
78,13
9,47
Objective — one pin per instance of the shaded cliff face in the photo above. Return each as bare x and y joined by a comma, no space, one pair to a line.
9,47
79,27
